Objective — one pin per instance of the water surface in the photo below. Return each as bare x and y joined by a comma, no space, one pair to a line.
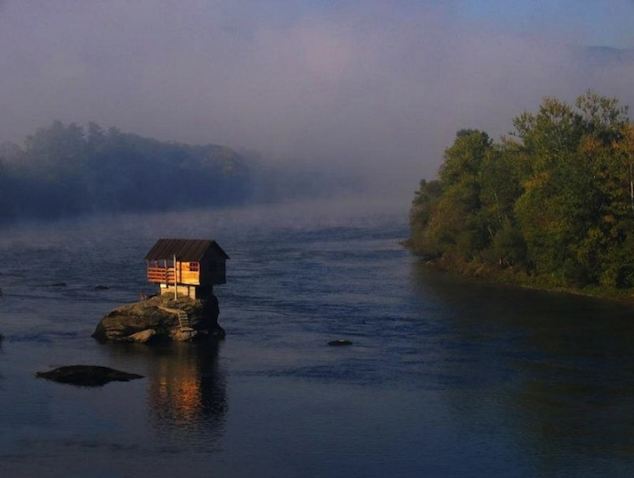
446,377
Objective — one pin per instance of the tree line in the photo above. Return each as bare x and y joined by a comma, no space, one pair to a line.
64,170
551,204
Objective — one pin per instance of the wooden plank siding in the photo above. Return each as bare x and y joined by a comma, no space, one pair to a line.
186,273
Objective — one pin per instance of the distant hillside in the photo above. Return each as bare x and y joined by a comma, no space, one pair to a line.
604,55
67,169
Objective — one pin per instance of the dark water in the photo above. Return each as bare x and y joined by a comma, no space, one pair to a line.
445,377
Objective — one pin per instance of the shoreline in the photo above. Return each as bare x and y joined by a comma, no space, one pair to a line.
487,274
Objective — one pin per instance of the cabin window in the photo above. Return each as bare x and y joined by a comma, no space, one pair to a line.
193,266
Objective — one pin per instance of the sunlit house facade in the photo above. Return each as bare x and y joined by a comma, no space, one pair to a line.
186,267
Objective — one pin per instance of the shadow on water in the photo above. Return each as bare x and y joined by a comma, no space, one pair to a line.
562,366
186,395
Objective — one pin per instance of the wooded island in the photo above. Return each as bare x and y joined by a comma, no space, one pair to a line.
551,205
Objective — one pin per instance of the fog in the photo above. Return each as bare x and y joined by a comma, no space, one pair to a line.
375,88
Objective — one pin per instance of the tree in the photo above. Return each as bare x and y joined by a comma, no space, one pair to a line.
556,197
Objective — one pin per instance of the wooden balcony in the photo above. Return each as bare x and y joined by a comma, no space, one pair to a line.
165,275
160,275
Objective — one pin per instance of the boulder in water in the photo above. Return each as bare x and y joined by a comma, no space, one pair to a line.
157,318
185,334
142,337
339,342
87,375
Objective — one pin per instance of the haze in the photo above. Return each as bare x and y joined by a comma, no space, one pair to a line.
375,88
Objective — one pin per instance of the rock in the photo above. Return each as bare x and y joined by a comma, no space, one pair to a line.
339,342
183,335
158,316
87,375
142,337
58,284
101,287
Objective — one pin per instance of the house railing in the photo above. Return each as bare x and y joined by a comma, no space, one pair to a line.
162,275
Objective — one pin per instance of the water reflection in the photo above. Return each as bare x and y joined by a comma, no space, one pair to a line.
559,368
187,399
187,387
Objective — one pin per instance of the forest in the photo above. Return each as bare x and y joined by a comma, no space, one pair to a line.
64,170
549,205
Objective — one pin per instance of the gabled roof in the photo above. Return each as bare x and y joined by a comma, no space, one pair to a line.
184,250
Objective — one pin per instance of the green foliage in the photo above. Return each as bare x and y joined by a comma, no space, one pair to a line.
508,246
555,200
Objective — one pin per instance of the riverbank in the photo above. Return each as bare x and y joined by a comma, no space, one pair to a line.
513,277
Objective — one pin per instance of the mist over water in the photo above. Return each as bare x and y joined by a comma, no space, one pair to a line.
224,224
377,88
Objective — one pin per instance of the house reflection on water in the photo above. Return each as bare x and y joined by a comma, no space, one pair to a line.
187,390
186,396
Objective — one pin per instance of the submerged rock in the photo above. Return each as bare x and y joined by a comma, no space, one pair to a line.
157,318
184,334
87,375
339,342
101,287
142,337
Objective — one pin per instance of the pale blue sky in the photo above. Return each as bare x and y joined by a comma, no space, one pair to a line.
594,22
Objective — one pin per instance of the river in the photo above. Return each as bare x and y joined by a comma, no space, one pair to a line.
445,377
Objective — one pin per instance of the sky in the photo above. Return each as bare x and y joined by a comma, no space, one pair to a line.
375,87
593,22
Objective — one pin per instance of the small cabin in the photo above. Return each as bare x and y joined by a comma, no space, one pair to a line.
186,267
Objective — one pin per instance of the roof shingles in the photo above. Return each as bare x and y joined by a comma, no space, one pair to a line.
184,249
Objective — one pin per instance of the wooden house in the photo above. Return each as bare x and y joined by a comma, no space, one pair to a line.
186,267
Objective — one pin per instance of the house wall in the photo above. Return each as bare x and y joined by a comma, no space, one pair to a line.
213,272
185,273
182,290
208,272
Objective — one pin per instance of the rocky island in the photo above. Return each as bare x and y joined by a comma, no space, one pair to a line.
161,318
